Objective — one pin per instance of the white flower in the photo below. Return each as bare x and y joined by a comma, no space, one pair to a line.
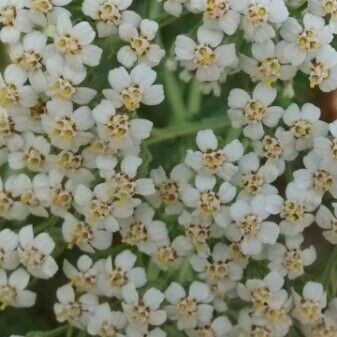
255,179
302,43
29,56
84,277
56,190
96,209
218,269
72,165
130,90
63,82
251,225
254,112
34,253
274,149
14,20
304,125
9,207
122,187
317,179
26,191
86,237
67,129
13,90
173,7
259,17
9,259
141,46
268,64
142,312
74,310
208,57
13,292
308,308
263,293
109,14
218,327
209,159
326,148
168,189
105,322
289,259
324,8
328,221
143,231
322,70
8,135
123,131
195,237
208,204
294,211
115,274
33,155
42,12
218,14
189,309
74,43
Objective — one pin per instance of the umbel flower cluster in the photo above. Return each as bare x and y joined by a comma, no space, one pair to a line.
218,242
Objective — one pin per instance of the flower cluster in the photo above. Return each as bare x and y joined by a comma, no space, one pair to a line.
163,251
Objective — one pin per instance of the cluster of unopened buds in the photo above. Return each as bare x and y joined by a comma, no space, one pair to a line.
215,246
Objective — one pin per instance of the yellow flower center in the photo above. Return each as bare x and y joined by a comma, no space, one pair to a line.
205,331
43,6
6,202
309,310
68,45
118,126
330,7
261,298
63,88
8,15
33,158
187,307
250,225
252,182
9,95
209,202
292,211
98,210
216,9
308,40
257,14
84,280
318,73
136,234
169,192
302,129
29,60
271,147
109,13
254,111
322,180
107,330
64,129
292,261
132,97
81,234
140,45
140,313
216,271
198,235
122,187
204,56
69,161
61,197
213,160
31,256
118,278
7,126
7,297
269,69
166,255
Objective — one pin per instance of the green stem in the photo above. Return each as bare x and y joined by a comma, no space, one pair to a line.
69,331
174,97
186,129
330,269
52,333
194,99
